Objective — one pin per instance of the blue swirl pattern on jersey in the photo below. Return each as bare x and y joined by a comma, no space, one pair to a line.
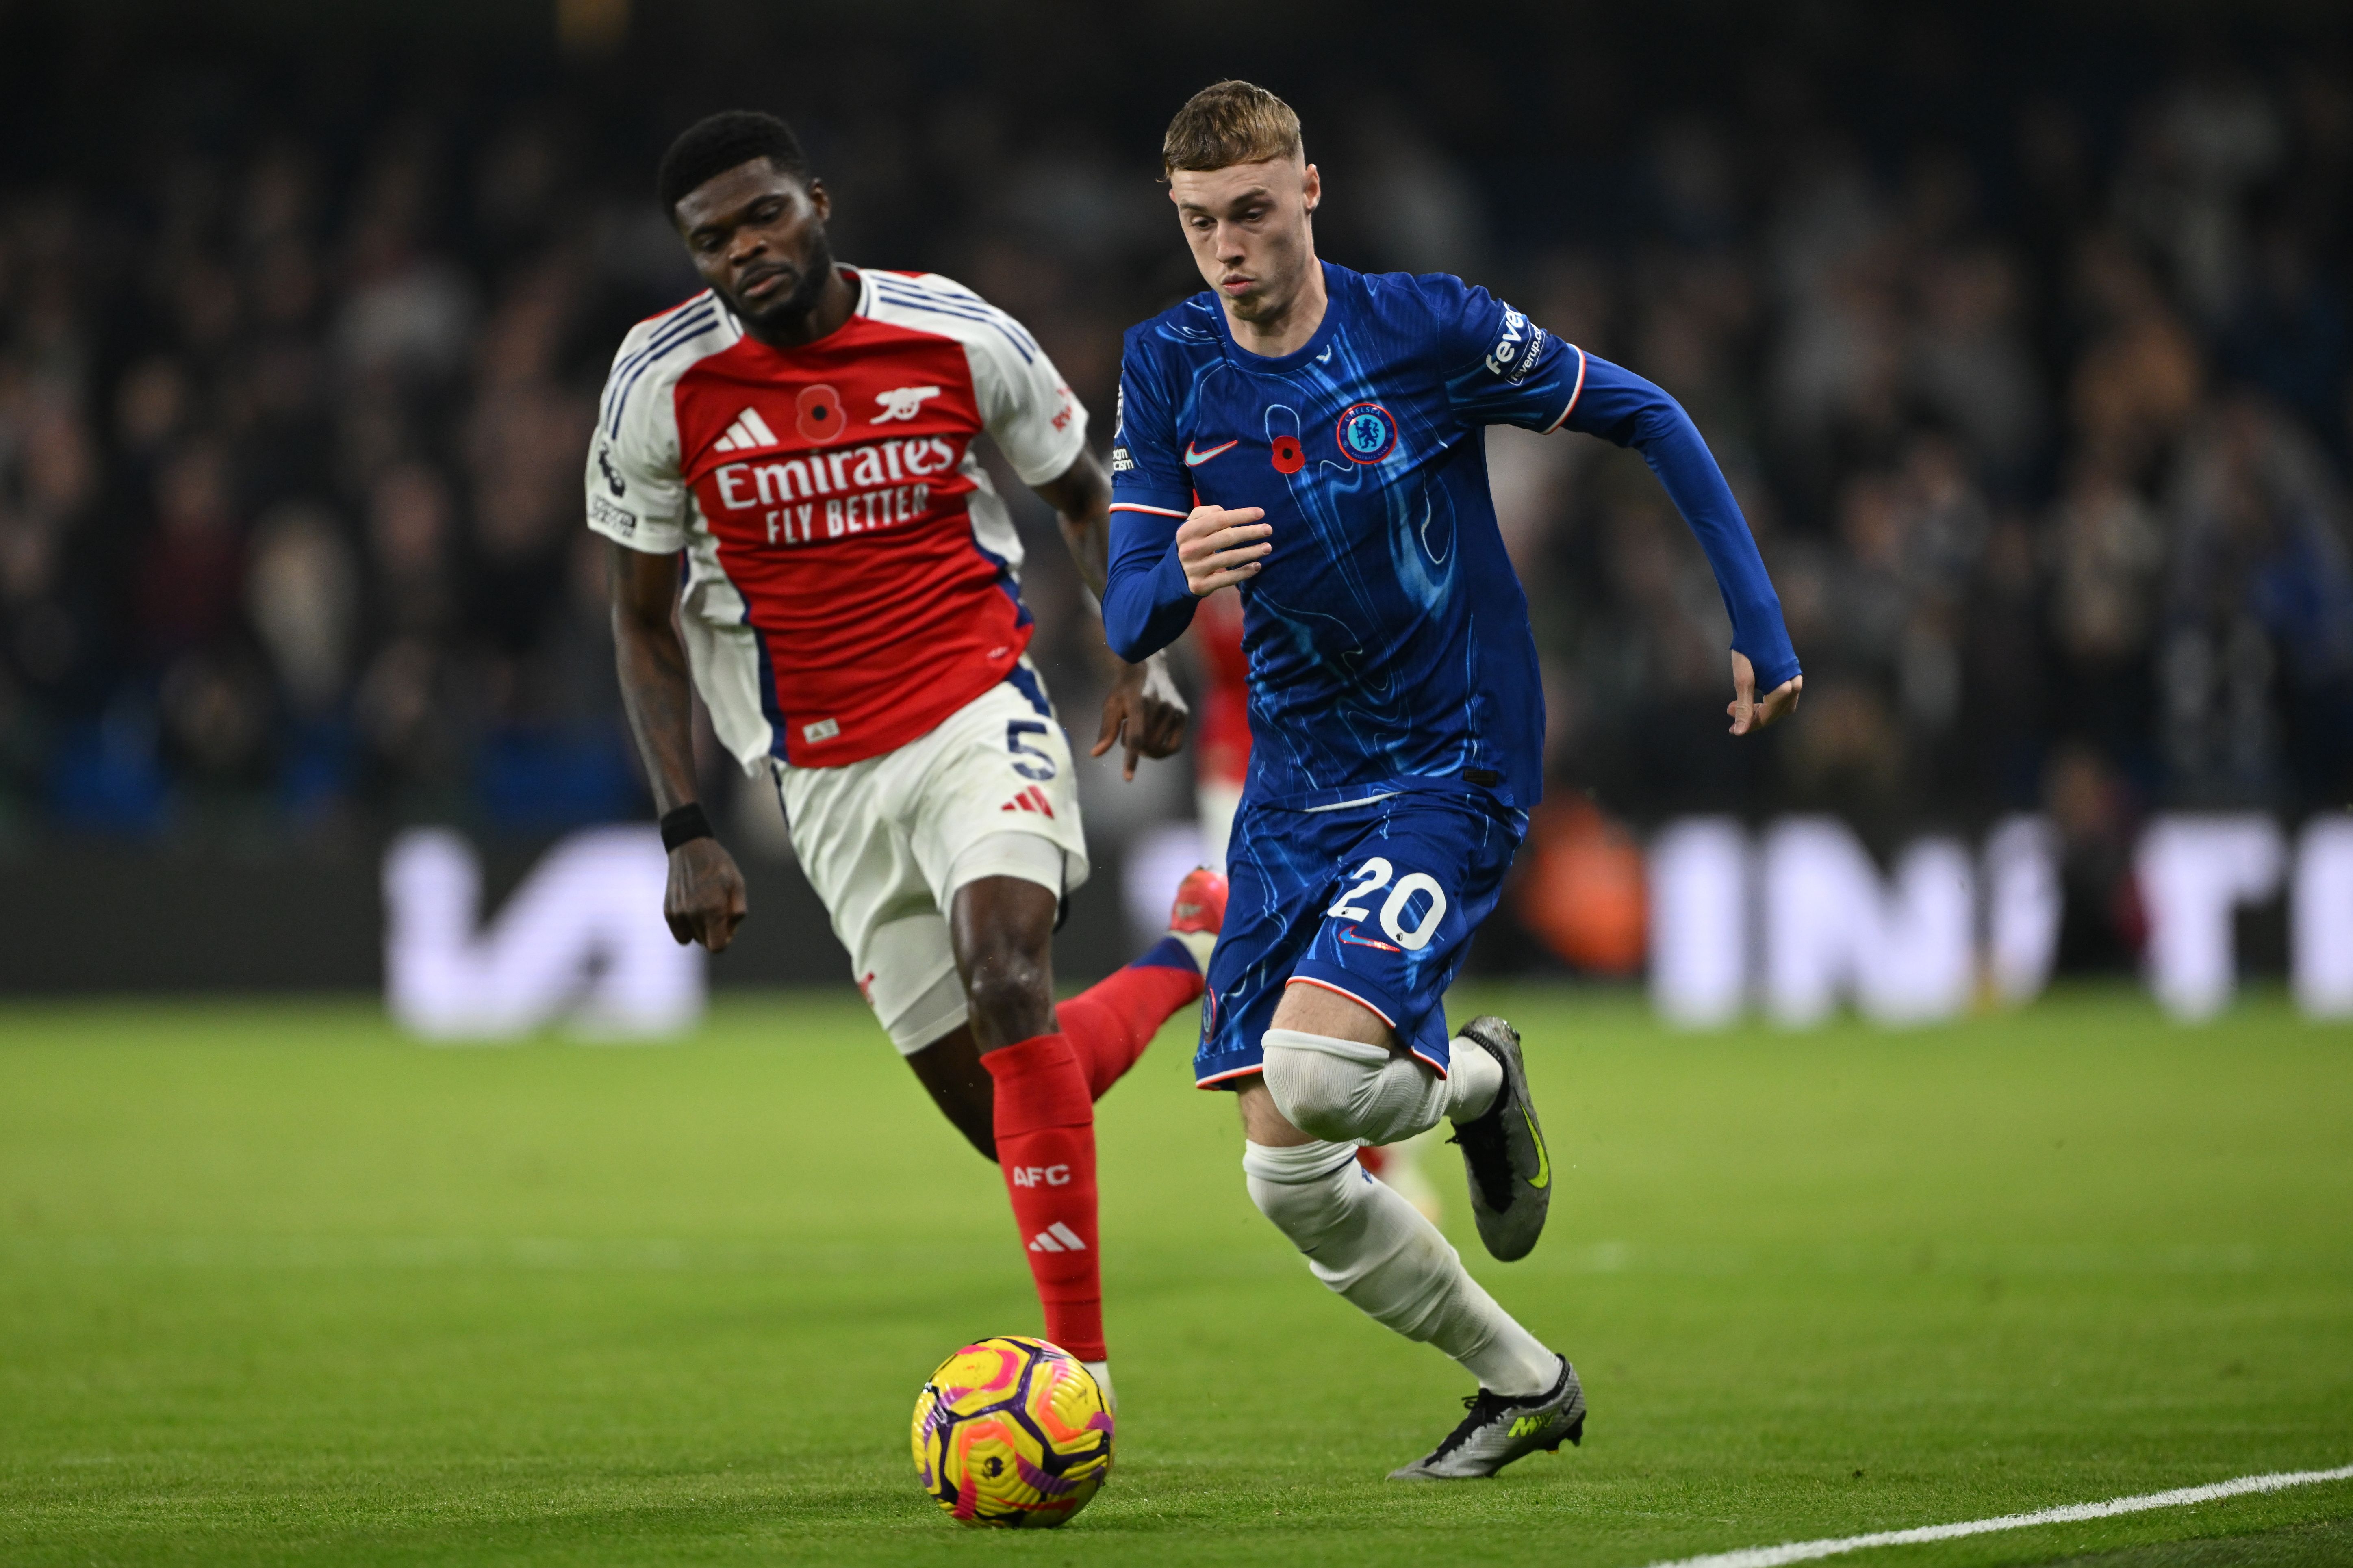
1397,719
1387,638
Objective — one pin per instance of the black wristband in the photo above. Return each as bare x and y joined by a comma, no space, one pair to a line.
684,825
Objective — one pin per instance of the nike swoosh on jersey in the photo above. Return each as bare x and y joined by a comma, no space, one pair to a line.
1194,460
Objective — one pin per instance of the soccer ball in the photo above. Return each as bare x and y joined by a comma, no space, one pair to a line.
1011,1432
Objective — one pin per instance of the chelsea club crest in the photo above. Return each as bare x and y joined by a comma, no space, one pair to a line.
1366,433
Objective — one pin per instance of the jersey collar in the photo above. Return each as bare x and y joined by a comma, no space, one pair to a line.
1335,278
861,304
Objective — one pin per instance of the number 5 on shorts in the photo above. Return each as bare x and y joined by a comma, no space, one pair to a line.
1371,878
1027,761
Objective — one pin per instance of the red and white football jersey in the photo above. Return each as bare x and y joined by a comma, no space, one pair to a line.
852,576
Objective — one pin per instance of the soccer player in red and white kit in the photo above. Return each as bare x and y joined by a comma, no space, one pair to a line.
848,605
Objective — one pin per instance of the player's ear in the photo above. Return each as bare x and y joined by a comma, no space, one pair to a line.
1311,188
821,199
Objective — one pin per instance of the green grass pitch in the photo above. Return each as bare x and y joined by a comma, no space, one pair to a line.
277,1287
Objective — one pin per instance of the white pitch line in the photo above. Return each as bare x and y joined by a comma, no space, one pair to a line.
1807,1550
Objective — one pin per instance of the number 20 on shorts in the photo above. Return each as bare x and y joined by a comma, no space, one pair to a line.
1376,874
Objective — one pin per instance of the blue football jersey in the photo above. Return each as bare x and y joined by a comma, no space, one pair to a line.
1387,635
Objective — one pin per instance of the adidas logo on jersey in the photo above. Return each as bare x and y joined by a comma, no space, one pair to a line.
748,432
1030,799
1056,1237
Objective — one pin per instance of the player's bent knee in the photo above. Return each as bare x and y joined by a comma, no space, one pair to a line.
1012,997
1321,1084
1010,984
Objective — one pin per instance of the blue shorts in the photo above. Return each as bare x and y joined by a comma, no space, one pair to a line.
1375,899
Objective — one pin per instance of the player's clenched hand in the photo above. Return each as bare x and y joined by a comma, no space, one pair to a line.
1747,712
705,902
1217,546
1144,707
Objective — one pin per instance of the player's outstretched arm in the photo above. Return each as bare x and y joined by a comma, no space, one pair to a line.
1144,708
1621,407
705,901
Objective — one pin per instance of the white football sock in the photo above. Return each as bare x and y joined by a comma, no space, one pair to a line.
1101,1372
1345,1091
1372,1246
1199,943
1473,1079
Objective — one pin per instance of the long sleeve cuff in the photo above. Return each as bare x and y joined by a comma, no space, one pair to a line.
1143,611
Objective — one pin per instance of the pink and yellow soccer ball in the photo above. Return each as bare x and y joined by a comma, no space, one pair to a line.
1012,1433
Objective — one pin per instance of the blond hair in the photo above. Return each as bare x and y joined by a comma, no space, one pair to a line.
1230,122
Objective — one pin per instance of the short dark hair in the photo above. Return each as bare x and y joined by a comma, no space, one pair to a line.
717,142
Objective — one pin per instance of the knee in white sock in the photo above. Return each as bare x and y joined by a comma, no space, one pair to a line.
1370,1245
1359,1237
1345,1091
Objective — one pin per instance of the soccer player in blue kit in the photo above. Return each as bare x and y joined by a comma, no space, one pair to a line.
1316,435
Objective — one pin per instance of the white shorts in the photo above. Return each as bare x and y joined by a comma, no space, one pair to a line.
887,841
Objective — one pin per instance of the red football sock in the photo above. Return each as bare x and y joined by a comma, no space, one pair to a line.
1108,1025
1046,1147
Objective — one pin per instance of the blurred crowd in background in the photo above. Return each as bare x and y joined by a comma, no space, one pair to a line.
2025,344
